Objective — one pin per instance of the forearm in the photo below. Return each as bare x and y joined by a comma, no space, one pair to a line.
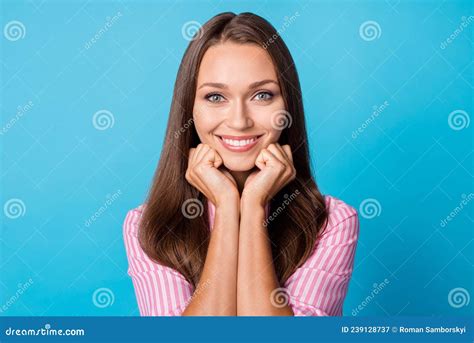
256,273
216,292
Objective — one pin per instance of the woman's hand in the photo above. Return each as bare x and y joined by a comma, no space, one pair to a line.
276,170
203,173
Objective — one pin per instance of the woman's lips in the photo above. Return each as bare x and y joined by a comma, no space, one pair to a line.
239,143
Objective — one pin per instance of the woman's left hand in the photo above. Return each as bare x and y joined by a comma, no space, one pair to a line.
276,170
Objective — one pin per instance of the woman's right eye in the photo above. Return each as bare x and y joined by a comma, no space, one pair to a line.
214,97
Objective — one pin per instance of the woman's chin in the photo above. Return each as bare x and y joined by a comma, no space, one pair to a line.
239,165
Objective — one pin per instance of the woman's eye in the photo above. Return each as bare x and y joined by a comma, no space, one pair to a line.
214,97
264,96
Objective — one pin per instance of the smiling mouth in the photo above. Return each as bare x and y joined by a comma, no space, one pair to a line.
239,143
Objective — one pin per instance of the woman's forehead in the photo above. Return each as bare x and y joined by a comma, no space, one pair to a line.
236,65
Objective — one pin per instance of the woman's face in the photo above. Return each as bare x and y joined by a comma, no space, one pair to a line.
237,97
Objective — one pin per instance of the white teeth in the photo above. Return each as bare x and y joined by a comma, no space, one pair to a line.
239,143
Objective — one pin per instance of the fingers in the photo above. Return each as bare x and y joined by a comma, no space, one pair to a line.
212,157
204,153
201,150
191,175
287,149
281,158
274,155
191,155
289,155
263,157
279,153
285,152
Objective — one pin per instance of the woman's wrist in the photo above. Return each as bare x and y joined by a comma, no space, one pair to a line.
252,218
230,203
252,200
251,204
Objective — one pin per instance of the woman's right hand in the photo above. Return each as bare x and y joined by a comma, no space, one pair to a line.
204,174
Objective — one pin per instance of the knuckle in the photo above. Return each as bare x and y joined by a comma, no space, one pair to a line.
199,168
280,167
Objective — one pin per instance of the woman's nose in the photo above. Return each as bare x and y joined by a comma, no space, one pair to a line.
239,118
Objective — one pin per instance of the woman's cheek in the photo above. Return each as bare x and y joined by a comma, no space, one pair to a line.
274,136
265,119
204,126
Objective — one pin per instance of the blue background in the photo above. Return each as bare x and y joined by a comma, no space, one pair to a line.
409,158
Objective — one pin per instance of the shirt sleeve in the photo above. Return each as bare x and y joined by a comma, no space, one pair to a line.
160,290
319,286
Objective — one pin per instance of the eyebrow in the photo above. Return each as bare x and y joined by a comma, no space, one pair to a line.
224,86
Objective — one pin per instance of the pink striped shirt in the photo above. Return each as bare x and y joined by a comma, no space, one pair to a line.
317,288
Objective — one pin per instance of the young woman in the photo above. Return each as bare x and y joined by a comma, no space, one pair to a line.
234,223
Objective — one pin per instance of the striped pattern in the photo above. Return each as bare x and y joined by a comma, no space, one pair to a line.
317,288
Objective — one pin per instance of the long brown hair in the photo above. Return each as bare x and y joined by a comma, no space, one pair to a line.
181,241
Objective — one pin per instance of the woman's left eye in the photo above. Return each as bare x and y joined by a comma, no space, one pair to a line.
214,97
264,96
